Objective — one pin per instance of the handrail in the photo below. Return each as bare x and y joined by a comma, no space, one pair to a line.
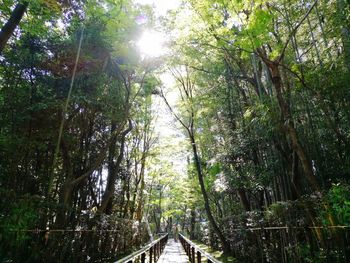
155,249
190,249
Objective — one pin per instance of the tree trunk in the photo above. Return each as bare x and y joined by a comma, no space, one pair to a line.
107,198
244,200
296,192
289,127
112,171
65,197
224,242
10,26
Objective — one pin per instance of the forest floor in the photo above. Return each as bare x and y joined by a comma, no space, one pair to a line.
219,255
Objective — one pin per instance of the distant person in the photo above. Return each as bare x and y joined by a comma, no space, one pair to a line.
175,232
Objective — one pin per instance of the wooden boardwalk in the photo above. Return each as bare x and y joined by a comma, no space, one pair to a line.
173,252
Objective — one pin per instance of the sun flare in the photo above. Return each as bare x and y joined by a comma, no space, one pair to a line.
152,44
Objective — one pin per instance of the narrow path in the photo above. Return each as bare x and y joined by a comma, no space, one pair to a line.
173,252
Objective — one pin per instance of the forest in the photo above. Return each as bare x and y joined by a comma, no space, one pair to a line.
227,118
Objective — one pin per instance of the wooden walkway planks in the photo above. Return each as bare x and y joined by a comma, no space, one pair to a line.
173,252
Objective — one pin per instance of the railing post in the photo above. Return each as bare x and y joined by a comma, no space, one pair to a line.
199,260
143,257
154,249
155,253
194,252
159,249
193,255
150,254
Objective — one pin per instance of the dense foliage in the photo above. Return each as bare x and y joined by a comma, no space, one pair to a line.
265,89
73,98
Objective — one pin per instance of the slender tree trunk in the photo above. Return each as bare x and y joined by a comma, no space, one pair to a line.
111,164
160,210
140,199
65,197
225,243
296,193
10,26
345,30
314,43
193,224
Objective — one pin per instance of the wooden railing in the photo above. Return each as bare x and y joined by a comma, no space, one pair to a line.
194,253
151,252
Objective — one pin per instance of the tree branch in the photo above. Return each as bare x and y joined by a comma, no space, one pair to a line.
293,32
101,156
173,112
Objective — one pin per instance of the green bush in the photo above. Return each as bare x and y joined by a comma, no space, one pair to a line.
338,198
19,214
